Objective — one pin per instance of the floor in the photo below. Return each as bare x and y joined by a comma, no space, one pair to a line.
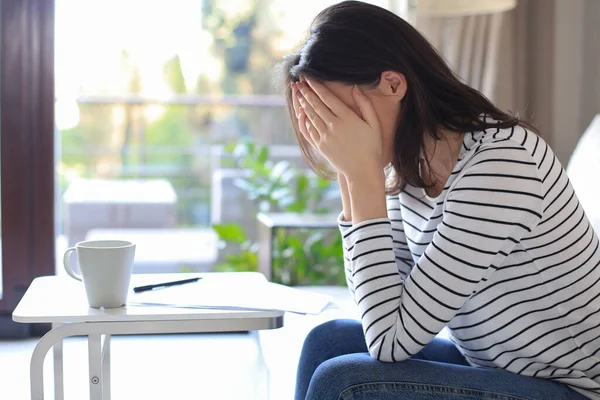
205,366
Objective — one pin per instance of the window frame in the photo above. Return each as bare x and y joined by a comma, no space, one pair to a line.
27,148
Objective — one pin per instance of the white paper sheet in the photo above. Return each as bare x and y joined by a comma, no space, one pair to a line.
217,293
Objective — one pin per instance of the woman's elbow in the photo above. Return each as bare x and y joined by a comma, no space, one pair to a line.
387,354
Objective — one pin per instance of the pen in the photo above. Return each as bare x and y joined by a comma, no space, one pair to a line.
164,284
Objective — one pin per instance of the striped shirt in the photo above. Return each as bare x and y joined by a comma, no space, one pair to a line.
504,257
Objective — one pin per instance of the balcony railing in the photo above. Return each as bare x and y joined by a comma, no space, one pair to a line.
175,137
186,99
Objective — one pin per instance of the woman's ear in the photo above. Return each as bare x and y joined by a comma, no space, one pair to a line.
393,83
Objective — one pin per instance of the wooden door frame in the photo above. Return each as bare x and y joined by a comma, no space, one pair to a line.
26,148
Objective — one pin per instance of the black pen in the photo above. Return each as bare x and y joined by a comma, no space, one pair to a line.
164,284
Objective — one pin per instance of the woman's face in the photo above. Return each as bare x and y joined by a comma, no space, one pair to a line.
386,102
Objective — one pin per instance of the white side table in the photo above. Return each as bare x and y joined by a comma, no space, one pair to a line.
61,301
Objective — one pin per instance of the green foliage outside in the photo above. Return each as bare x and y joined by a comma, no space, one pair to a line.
160,149
120,141
300,256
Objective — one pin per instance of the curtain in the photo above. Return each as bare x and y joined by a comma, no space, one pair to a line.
539,60
471,46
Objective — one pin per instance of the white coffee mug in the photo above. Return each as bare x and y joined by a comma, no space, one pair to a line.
106,267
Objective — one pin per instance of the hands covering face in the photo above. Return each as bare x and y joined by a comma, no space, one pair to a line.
350,143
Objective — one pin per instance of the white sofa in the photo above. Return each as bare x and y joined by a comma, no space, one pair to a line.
583,169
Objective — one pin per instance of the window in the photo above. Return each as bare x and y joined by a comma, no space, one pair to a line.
147,95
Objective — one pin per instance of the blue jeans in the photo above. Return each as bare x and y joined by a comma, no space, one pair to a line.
335,365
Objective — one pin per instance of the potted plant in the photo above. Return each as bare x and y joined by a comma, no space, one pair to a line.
300,256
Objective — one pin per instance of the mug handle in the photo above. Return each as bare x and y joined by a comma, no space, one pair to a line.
68,264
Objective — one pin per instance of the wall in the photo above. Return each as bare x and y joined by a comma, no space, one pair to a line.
562,68
591,65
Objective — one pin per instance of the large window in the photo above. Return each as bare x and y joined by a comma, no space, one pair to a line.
147,94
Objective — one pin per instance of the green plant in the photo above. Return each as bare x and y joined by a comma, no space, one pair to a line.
245,256
300,256
308,257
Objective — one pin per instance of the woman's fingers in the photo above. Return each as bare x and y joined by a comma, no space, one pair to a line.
307,129
295,103
302,126
303,123
315,119
315,103
330,100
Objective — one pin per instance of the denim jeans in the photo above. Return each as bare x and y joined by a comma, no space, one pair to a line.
335,365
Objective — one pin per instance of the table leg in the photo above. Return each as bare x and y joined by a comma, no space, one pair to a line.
95,364
106,367
95,330
58,368
265,377
36,367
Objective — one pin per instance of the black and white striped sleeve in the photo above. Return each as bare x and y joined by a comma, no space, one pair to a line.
344,226
403,257
485,215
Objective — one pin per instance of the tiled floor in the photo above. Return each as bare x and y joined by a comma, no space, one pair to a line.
206,366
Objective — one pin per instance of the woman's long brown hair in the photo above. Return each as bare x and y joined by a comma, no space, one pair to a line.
353,43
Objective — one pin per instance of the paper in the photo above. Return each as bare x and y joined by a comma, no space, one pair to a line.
221,294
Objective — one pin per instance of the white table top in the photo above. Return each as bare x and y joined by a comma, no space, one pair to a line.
61,299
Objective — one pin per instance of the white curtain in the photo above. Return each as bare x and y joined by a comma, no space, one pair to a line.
471,45
540,60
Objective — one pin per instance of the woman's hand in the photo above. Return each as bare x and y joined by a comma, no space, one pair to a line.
303,125
350,143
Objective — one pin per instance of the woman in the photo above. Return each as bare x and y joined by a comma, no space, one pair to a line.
482,232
